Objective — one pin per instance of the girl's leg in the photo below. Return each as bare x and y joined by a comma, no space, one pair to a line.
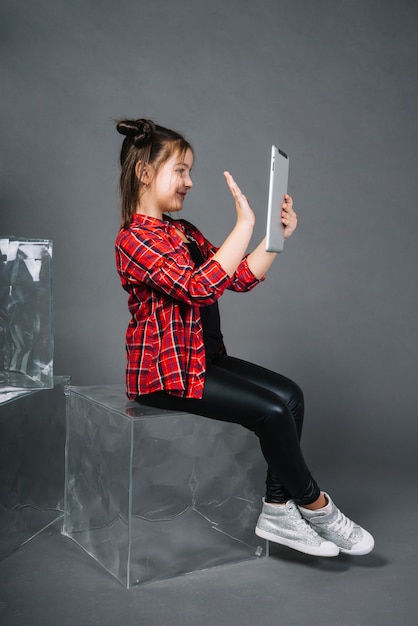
231,395
323,516
284,388
272,407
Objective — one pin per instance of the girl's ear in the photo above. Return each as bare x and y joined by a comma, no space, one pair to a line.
143,173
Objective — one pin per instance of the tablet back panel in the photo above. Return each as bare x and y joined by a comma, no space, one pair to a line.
279,175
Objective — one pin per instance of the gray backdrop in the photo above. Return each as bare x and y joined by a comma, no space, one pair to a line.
334,83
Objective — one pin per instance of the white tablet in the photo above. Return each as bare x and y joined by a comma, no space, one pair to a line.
279,175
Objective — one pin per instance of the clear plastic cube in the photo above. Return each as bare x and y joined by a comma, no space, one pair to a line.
26,339
32,447
153,494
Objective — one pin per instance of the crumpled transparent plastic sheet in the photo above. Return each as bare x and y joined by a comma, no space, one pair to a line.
32,446
153,494
26,340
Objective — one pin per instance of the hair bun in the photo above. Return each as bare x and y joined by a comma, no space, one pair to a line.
140,131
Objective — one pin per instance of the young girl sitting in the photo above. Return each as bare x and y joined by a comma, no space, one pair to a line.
176,358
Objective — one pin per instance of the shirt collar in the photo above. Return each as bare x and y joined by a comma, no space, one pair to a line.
139,219
167,223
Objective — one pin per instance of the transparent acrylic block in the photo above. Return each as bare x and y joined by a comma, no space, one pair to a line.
153,494
32,450
26,340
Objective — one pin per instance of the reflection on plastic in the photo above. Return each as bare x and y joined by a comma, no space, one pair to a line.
26,343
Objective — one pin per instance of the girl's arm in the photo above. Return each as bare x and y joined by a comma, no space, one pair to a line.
231,252
234,247
259,261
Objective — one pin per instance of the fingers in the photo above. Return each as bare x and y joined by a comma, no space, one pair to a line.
235,190
231,183
287,202
242,206
288,216
287,207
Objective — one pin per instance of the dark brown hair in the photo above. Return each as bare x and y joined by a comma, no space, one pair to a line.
148,143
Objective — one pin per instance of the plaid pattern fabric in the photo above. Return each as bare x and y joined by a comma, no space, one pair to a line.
164,339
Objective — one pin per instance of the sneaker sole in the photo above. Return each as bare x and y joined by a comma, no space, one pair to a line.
327,548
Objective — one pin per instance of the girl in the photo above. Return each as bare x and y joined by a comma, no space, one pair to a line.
176,358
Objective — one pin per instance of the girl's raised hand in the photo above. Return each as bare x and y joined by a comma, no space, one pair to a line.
288,216
244,211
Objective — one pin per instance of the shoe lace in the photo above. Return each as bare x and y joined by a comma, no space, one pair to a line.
342,525
306,528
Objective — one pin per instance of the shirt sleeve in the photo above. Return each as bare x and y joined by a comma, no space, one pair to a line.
145,257
243,278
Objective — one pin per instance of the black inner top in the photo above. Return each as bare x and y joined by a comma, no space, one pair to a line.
209,314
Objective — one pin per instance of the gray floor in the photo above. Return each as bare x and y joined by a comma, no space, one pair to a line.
51,581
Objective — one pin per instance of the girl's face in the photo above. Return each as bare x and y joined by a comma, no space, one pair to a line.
169,186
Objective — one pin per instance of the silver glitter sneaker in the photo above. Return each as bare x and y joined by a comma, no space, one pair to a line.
334,526
285,525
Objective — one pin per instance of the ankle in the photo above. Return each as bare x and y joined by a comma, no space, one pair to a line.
319,503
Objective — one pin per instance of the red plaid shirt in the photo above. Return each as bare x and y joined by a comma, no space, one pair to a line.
164,339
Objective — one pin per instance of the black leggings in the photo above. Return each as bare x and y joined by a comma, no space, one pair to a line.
266,403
